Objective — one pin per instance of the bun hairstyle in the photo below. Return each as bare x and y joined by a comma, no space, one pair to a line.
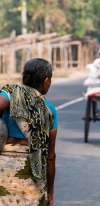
36,71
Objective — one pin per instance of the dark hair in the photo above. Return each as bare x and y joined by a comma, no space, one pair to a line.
36,71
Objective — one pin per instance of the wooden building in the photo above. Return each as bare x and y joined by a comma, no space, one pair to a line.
63,52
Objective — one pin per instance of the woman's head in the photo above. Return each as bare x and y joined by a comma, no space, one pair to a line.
37,74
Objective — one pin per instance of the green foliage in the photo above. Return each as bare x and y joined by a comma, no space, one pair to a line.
79,17
96,18
10,17
45,18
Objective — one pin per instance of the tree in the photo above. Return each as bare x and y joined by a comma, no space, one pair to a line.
79,15
46,17
10,17
95,15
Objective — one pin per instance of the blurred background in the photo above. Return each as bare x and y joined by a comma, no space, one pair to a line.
65,32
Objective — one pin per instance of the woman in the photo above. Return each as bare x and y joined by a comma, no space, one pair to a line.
28,159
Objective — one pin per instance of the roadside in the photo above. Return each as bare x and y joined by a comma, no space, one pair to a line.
58,76
65,76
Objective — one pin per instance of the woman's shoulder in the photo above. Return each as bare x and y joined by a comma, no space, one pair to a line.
5,94
7,90
50,105
54,113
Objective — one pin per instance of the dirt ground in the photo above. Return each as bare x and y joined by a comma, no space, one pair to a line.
58,76
73,74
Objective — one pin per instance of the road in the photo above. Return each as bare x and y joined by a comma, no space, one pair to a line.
77,181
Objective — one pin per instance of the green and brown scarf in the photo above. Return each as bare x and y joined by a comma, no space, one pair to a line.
28,109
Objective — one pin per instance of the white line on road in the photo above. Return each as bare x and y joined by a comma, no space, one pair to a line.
69,103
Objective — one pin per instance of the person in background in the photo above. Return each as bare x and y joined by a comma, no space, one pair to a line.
27,162
97,54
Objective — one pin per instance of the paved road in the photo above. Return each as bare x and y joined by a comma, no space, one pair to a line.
77,181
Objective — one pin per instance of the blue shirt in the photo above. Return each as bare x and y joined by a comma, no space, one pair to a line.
13,129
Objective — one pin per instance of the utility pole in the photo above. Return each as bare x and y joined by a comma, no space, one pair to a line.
24,17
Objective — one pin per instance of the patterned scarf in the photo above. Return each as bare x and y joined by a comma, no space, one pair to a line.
28,109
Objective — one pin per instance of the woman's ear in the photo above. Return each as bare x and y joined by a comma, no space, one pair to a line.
46,85
46,80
